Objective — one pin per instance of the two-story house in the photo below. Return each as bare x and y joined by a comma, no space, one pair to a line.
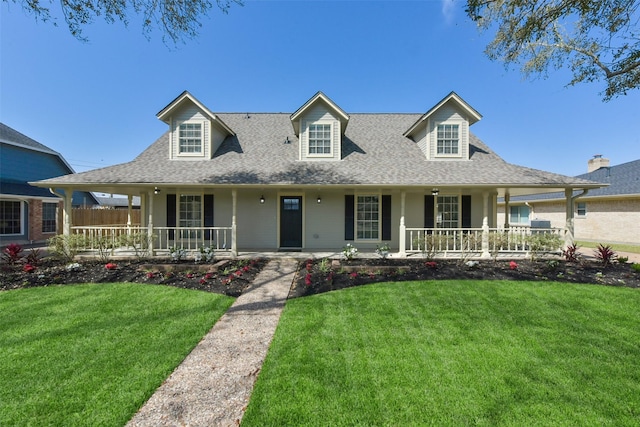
318,178
27,213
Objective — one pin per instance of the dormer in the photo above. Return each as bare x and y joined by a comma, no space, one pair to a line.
442,133
195,132
319,125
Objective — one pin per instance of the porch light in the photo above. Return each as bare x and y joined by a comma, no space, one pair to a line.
156,190
319,199
434,192
261,199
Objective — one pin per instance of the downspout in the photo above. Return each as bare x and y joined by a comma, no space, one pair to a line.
569,239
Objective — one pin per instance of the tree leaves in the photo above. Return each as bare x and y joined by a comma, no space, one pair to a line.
597,40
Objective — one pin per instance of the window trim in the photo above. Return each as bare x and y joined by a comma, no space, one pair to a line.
331,139
457,123
179,218
55,218
584,214
436,223
21,219
519,215
202,139
356,230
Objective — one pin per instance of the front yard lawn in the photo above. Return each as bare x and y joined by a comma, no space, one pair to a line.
454,353
93,354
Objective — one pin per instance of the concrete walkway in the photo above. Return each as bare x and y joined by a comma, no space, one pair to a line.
213,384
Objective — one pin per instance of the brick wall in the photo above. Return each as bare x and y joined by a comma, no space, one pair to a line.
35,221
610,221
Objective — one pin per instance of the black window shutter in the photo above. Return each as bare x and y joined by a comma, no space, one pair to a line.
386,217
171,213
429,206
466,211
208,214
349,216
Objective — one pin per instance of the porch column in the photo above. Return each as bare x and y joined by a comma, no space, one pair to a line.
130,203
234,227
485,225
569,226
67,218
150,222
507,197
402,240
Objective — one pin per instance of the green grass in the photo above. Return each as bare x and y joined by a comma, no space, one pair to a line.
454,353
618,247
93,354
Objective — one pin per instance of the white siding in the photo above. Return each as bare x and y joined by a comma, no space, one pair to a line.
448,114
324,225
319,113
190,113
421,140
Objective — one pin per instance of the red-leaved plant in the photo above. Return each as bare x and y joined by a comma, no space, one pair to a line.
12,254
571,254
111,266
605,254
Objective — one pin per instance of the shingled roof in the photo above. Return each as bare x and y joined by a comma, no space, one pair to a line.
374,153
620,180
11,136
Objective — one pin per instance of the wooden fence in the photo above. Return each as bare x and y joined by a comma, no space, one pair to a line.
88,217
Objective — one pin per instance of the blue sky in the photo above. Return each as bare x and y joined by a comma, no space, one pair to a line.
96,102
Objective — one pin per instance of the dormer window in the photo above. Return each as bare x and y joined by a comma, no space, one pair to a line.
448,143
320,139
190,138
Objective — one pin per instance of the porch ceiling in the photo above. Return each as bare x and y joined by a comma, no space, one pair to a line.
136,189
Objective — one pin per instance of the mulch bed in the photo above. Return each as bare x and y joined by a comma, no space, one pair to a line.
318,276
228,277
232,277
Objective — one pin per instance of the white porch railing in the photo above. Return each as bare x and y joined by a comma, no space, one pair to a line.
191,238
163,238
468,241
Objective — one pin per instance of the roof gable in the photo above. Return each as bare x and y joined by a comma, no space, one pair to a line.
314,100
186,98
471,114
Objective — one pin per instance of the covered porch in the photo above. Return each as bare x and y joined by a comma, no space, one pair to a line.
409,237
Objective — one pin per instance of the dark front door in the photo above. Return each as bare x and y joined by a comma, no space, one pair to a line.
291,222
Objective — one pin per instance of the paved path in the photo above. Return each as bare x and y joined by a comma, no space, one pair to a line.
213,384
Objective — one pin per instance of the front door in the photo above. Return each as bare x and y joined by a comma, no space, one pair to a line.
291,222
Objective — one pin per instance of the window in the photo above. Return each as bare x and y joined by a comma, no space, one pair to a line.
448,212
291,204
581,209
190,138
320,139
190,211
448,140
368,217
10,217
49,215
519,214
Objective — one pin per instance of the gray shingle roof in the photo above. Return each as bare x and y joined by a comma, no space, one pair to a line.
622,180
12,136
374,152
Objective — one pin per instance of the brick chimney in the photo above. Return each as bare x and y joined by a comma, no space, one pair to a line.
597,162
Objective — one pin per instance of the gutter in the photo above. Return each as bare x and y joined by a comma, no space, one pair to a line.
584,193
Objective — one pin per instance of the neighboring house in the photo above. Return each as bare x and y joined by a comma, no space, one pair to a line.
318,178
118,202
610,214
30,213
